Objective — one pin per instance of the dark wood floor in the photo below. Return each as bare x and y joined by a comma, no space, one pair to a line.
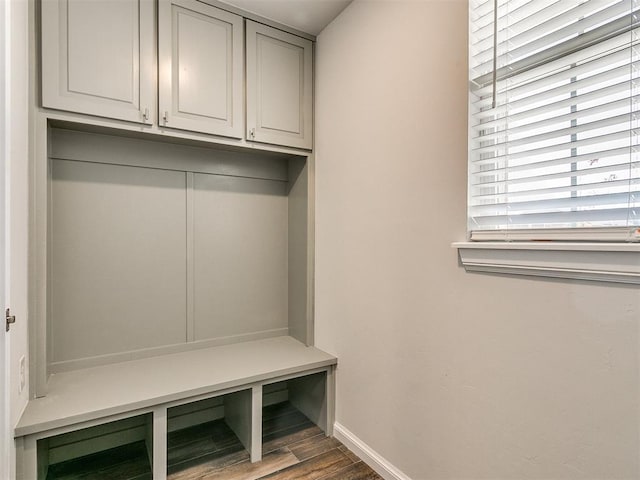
293,448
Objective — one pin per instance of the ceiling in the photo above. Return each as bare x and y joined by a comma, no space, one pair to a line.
309,16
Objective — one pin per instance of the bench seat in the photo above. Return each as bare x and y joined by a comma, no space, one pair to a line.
89,394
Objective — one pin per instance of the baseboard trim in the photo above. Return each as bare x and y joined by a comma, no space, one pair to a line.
369,456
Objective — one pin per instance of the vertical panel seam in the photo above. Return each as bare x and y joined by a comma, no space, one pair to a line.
190,328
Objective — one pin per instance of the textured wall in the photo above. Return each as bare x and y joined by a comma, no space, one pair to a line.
449,375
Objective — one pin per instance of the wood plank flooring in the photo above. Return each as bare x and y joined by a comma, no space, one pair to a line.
293,449
129,462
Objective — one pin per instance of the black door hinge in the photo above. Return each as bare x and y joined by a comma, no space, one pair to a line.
9,319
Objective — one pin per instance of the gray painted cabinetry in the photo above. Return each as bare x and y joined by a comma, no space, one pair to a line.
157,248
100,58
279,87
200,59
172,238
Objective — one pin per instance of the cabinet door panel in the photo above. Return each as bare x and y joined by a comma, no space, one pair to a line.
279,87
240,256
101,61
201,68
97,57
197,77
117,259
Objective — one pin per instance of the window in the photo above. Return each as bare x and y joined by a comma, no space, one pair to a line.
554,148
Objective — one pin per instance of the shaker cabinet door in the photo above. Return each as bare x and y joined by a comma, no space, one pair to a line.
98,57
201,68
279,87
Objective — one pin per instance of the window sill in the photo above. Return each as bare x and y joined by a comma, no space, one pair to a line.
604,262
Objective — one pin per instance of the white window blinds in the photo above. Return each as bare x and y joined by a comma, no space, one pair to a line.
554,119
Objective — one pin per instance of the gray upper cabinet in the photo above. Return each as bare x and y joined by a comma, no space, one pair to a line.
98,58
182,69
200,53
279,87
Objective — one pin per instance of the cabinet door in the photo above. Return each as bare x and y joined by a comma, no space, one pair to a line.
279,87
98,57
201,70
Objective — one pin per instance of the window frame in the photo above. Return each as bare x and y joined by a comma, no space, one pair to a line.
588,254
603,261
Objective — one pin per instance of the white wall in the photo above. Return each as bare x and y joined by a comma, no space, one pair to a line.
449,375
17,197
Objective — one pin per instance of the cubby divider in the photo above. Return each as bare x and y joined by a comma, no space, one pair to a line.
238,415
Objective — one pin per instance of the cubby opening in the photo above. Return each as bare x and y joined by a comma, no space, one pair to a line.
119,450
208,435
156,247
293,410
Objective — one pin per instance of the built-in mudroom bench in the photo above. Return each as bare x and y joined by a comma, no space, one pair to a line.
171,240
177,300
135,404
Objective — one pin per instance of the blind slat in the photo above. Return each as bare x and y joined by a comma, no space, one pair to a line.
560,147
524,97
498,113
631,184
602,56
480,168
553,204
621,121
576,116
600,233
605,216
575,174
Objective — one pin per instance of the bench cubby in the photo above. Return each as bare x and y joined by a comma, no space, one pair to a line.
300,414
209,434
116,450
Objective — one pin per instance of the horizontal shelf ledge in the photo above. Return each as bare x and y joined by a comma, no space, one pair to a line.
605,262
92,124
93,393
